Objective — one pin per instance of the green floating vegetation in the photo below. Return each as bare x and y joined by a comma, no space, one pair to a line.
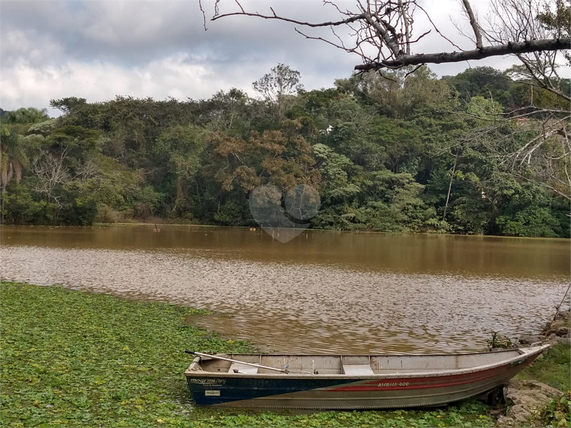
473,414
72,358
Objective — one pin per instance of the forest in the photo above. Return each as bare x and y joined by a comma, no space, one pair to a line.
402,151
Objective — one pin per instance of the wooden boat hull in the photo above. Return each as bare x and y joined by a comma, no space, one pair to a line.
339,391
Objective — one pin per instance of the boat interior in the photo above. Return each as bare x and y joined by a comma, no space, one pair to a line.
353,365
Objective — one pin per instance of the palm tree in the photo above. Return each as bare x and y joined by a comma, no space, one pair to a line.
26,116
12,157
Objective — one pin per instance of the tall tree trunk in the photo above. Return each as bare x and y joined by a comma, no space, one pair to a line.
450,187
179,193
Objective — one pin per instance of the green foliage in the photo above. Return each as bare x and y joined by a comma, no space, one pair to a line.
229,214
78,359
43,128
484,108
381,200
26,116
484,82
179,149
499,341
71,358
530,221
469,215
69,104
335,170
557,413
401,194
407,152
81,213
145,202
19,207
13,157
554,368
528,211
466,415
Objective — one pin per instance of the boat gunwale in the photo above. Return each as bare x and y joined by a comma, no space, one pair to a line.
524,353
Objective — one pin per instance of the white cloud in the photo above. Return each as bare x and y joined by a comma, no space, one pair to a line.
98,49
89,60
25,85
177,76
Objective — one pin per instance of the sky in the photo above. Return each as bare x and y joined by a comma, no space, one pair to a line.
99,49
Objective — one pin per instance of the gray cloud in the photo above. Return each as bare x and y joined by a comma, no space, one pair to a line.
134,32
98,49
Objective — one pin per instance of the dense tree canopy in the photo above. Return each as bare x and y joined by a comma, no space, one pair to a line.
411,153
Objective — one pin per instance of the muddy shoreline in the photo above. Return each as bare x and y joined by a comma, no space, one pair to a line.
525,400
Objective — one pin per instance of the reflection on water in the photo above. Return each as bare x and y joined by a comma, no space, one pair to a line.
321,292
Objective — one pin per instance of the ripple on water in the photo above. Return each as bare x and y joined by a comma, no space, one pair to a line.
304,308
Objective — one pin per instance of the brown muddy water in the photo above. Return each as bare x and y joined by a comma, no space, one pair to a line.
320,292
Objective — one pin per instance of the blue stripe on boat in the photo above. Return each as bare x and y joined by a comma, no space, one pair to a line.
225,390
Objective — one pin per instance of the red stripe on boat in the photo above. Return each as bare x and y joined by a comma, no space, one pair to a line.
426,382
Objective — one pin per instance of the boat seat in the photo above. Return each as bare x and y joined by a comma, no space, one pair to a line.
242,368
357,369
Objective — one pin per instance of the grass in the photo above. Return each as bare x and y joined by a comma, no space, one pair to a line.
71,358
552,369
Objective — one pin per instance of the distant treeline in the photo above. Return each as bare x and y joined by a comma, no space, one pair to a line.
400,153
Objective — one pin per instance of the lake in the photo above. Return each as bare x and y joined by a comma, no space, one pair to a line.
342,292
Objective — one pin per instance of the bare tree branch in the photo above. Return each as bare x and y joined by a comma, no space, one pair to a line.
485,52
383,36
546,185
542,80
293,21
383,32
473,23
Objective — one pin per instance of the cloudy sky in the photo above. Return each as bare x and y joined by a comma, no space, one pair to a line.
97,49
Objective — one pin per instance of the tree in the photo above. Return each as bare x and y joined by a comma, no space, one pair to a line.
226,111
280,81
69,104
65,156
25,116
335,170
13,158
382,33
179,148
544,157
278,86
483,81
511,20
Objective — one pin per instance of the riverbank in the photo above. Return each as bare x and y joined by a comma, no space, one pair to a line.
540,395
165,223
71,358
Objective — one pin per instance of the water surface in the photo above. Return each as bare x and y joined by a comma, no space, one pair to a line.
320,292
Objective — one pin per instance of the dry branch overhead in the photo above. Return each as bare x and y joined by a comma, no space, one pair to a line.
382,33
485,52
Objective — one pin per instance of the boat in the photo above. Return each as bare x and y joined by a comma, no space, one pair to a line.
346,382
